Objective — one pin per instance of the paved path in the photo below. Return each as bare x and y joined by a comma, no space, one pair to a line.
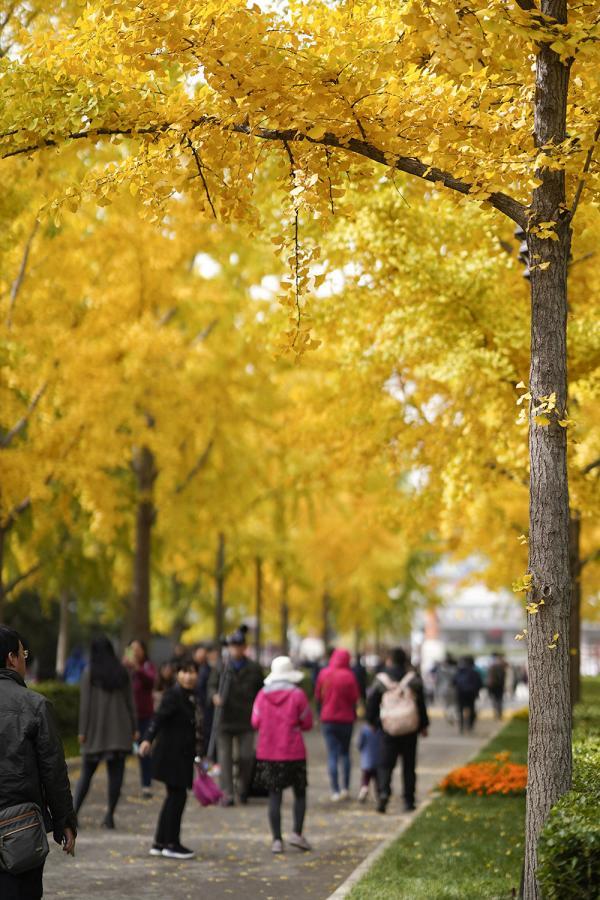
233,845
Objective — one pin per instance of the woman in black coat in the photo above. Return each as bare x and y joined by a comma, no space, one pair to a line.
173,737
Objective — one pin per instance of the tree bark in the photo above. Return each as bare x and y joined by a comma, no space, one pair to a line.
220,588
575,617
258,608
549,755
62,644
146,473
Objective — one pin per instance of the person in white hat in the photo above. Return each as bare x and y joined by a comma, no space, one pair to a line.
281,713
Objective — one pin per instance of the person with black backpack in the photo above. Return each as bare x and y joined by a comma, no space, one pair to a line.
468,683
396,704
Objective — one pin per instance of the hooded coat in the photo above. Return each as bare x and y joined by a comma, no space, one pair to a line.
281,713
337,689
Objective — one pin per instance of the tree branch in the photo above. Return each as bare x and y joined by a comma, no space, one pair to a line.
202,461
19,578
201,174
16,430
503,202
18,282
584,171
591,557
590,466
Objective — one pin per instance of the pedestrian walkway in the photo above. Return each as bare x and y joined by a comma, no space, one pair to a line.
233,845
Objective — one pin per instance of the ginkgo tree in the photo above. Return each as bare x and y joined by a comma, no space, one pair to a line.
449,93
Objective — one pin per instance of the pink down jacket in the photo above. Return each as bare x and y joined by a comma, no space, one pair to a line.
280,714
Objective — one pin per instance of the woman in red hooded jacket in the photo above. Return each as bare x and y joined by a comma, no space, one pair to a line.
337,693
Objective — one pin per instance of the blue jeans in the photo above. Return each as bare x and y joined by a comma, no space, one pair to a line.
338,736
145,761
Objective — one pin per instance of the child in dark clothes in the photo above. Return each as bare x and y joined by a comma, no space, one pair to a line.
369,744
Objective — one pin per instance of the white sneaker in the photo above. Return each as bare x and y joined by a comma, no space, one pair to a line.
299,841
336,797
344,794
177,851
363,793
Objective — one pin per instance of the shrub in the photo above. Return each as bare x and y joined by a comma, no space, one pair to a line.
569,847
65,701
497,776
521,714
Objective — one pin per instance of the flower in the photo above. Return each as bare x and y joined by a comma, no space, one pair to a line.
497,776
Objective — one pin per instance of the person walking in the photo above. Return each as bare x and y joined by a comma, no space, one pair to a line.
445,688
468,683
281,712
496,683
397,681
174,738
107,723
369,746
232,690
143,677
337,692
32,765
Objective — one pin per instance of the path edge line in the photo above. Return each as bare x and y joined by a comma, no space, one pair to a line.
346,886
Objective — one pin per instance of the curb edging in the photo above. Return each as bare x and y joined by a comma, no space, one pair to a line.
346,886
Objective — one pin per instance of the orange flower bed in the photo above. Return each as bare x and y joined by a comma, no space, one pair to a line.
497,776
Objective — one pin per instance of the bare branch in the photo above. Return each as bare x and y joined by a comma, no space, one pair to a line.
503,202
590,558
205,333
201,174
18,282
584,171
16,430
590,466
19,578
199,465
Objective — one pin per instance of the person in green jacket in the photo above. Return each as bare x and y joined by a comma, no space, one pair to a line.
232,689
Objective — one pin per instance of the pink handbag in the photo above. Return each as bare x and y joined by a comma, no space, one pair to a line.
205,790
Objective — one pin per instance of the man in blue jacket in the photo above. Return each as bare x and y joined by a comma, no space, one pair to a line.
32,762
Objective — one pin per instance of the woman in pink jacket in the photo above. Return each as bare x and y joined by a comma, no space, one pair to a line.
280,714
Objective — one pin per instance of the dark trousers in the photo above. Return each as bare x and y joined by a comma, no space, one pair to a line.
25,886
275,798
145,761
497,698
366,775
338,736
466,702
169,821
116,771
391,748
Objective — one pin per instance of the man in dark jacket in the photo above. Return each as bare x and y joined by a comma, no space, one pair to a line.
392,746
32,762
232,690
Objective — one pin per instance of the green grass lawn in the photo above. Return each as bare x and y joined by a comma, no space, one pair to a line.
461,847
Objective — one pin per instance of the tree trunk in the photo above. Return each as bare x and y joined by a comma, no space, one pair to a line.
62,644
145,471
285,617
220,588
575,617
549,755
326,613
258,609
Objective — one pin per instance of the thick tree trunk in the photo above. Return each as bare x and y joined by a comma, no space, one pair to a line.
258,608
549,756
62,644
220,588
575,617
145,471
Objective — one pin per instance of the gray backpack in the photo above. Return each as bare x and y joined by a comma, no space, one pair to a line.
23,841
